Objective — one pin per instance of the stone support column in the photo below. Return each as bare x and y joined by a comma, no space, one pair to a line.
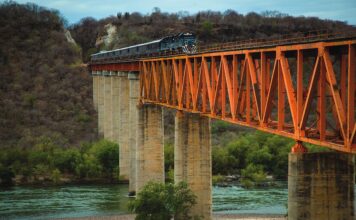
321,186
101,93
124,126
149,145
192,159
134,99
115,103
95,90
107,106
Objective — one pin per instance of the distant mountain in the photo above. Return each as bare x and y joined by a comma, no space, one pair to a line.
44,91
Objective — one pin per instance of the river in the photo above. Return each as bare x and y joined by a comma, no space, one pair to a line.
99,200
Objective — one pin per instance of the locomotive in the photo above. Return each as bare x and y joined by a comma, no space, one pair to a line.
180,43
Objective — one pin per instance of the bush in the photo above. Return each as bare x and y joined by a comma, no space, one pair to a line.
222,161
89,167
217,179
170,176
56,176
252,175
66,160
6,175
107,154
168,156
158,201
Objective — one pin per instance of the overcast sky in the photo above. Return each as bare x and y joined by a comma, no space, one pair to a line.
74,10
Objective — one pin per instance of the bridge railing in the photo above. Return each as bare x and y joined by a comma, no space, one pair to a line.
308,37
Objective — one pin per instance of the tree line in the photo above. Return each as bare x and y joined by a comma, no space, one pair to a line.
209,26
48,163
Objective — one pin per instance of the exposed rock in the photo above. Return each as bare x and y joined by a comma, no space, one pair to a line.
69,36
109,38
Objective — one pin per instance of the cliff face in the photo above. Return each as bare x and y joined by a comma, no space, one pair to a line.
109,37
43,88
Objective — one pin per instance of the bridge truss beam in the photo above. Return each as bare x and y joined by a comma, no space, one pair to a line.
305,92
123,66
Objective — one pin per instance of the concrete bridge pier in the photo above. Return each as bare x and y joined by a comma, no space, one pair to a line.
124,126
101,94
95,89
321,186
115,103
149,145
134,96
192,159
107,105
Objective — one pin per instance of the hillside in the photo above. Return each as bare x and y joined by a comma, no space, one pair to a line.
210,27
43,89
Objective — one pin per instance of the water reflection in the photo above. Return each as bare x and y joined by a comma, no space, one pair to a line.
66,201
236,199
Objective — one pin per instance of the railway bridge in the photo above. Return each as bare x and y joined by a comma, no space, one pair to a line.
301,88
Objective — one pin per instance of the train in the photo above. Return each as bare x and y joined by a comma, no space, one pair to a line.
179,43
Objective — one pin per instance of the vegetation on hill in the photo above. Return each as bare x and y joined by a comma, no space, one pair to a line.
209,26
44,91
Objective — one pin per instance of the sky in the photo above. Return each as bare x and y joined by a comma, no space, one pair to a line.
74,10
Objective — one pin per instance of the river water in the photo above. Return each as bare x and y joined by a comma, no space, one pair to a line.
100,200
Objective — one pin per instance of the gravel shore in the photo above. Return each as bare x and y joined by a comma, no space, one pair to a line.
215,217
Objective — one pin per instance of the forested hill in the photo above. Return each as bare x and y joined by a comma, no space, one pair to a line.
209,26
43,89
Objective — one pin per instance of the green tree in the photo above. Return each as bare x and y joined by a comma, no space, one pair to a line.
239,149
207,27
107,153
158,201
252,175
222,161
89,167
66,160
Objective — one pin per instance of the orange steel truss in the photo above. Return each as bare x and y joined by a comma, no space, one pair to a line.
303,91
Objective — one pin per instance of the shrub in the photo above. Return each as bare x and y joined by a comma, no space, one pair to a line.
252,175
168,156
107,154
6,175
41,170
158,201
89,167
217,179
170,176
222,161
56,176
66,160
